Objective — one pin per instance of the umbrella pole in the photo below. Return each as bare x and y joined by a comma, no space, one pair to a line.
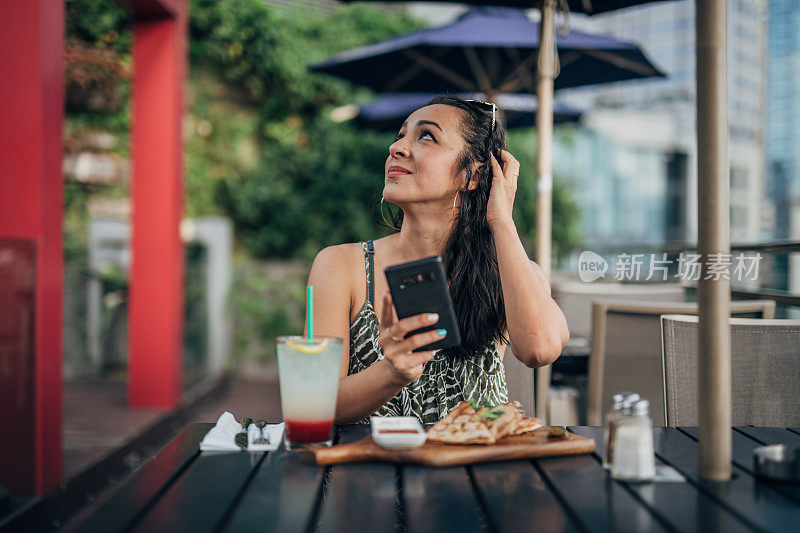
544,179
713,237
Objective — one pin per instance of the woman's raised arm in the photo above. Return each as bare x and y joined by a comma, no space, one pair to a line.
537,328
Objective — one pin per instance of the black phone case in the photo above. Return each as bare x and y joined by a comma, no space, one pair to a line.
421,287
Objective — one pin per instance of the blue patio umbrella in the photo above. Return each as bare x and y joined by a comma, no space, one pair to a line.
490,50
387,113
588,7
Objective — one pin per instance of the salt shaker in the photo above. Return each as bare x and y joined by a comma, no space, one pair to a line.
634,457
611,425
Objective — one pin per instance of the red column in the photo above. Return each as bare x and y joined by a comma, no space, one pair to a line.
156,290
31,112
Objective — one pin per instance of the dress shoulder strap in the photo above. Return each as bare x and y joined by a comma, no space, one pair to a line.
369,265
371,273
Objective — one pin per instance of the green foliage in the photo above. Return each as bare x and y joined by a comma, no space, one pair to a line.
265,49
303,199
97,93
265,304
313,180
75,217
97,64
101,23
94,77
221,141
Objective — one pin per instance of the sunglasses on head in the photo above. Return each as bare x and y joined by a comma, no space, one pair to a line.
493,106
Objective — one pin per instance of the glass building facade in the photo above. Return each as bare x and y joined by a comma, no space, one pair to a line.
783,135
783,110
666,33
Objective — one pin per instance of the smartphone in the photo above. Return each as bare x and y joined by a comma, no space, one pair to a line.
421,287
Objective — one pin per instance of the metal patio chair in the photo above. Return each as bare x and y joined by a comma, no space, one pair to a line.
765,368
626,350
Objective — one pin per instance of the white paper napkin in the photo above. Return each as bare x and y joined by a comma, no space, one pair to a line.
222,436
275,438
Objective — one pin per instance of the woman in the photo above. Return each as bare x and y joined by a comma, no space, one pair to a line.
456,200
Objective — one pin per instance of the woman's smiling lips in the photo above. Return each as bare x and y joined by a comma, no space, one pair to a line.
396,170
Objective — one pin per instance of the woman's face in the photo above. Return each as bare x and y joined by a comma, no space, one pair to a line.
427,147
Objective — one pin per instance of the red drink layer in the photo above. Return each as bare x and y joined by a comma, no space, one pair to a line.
302,432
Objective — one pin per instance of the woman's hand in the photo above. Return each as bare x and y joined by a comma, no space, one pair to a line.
504,188
397,350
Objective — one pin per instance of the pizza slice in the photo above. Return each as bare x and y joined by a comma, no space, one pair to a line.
525,425
507,419
461,426
500,419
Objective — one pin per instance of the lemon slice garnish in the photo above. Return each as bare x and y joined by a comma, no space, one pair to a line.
309,349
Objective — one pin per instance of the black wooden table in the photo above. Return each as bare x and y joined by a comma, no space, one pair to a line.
184,490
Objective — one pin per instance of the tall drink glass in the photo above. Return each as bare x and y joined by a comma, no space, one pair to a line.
309,381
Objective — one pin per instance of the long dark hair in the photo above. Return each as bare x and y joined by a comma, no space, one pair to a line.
470,258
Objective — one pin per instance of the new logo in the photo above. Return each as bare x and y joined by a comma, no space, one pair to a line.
591,266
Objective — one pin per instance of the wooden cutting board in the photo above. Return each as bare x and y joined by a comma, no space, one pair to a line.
534,444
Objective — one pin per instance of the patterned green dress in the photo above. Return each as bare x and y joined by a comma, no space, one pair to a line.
445,381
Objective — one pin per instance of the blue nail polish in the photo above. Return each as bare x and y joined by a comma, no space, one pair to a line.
442,332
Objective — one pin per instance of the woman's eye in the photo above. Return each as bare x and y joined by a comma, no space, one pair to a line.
424,133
